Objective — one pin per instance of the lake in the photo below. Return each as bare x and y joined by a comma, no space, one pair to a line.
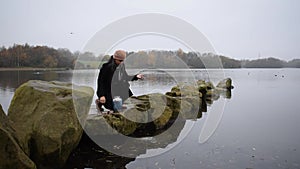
258,129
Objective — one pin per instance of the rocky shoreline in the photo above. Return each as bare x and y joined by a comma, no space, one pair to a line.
48,124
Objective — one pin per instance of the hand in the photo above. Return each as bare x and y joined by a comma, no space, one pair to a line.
140,76
102,100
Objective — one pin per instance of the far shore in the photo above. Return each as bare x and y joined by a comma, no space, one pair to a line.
63,69
31,69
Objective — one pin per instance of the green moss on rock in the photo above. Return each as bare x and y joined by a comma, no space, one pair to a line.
11,155
46,120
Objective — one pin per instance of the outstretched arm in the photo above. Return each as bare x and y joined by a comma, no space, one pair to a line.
132,77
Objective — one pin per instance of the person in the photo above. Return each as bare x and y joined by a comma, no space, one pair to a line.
113,81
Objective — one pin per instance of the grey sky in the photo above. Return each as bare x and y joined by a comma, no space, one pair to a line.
237,28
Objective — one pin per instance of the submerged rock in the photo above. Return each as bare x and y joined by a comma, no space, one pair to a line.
11,155
46,122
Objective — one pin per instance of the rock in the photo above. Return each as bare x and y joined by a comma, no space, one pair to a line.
174,103
45,119
155,120
108,125
209,85
213,94
225,93
175,89
11,155
186,100
225,84
96,126
121,124
151,109
159,111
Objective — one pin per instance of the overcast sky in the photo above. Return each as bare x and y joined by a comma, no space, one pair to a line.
241,29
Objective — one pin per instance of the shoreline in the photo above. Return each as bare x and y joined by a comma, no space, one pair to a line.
63,69
31,69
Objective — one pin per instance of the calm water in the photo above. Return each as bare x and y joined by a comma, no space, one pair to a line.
259,127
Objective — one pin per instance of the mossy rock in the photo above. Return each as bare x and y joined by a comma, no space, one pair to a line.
225,84
157,111
174,103
175,89
11,155
45,119
173,94
121,124
209,85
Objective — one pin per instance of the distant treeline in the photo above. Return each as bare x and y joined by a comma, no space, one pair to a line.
270,63
178,59
47,57
35,56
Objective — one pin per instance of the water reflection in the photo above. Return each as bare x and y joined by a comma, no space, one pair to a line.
10,80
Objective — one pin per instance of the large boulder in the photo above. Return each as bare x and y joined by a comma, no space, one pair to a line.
11,155
45,119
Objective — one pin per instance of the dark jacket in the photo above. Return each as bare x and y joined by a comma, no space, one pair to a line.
113,81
